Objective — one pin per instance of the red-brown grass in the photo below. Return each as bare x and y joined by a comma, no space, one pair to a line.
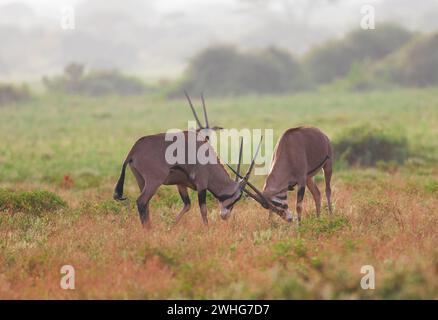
378,223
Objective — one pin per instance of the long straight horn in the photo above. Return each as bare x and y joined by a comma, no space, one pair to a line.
193,110
259,197
205,111
240,159
253,160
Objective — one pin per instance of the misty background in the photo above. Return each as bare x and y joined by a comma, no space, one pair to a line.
156,40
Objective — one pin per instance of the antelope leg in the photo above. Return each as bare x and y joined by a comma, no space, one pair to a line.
327,177
300,198
143,202
315,193
186,199
202,199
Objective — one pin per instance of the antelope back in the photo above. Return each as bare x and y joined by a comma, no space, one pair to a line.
298,153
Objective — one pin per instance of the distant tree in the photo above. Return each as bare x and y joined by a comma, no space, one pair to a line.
334,59
10,94
416,64
95,83
225,71
74,71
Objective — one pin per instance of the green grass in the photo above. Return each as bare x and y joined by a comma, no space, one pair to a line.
33,202
88,138
73,147
368,145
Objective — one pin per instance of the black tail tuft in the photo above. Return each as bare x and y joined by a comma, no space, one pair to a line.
118,190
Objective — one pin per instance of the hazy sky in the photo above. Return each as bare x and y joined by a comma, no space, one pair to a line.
156,38
325,11
52,8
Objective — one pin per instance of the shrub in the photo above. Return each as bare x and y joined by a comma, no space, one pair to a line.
10,94
95,83
33,202
366,145
335,58
361,78
323,225
416,64
111,82
225,71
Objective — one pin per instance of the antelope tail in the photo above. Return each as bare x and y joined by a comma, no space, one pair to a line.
118,190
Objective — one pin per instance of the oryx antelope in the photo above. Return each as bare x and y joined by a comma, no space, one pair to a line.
182,190
299,155
147,160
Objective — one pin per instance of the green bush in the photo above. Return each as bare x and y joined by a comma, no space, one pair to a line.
334,59
367,145
226,71
11,94
95,83
360,78
33,202
416,64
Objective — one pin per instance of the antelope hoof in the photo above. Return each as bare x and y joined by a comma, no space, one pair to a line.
225,214
289,217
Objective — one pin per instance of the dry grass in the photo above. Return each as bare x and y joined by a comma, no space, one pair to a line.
248,256
73,146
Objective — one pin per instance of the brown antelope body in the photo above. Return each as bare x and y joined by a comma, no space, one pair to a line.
147,161
299,155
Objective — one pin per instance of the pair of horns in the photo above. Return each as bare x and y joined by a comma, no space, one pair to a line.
207,126
204,109
244,180
258,195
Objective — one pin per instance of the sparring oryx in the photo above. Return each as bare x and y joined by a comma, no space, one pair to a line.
151,168
299,155
182,190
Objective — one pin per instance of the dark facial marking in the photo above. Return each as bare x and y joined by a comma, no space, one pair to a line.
279,204
234,202
222,197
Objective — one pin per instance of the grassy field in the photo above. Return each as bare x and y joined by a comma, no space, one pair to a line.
385,216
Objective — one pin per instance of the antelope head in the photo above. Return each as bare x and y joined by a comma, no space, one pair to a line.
227,191
240,182
277,203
